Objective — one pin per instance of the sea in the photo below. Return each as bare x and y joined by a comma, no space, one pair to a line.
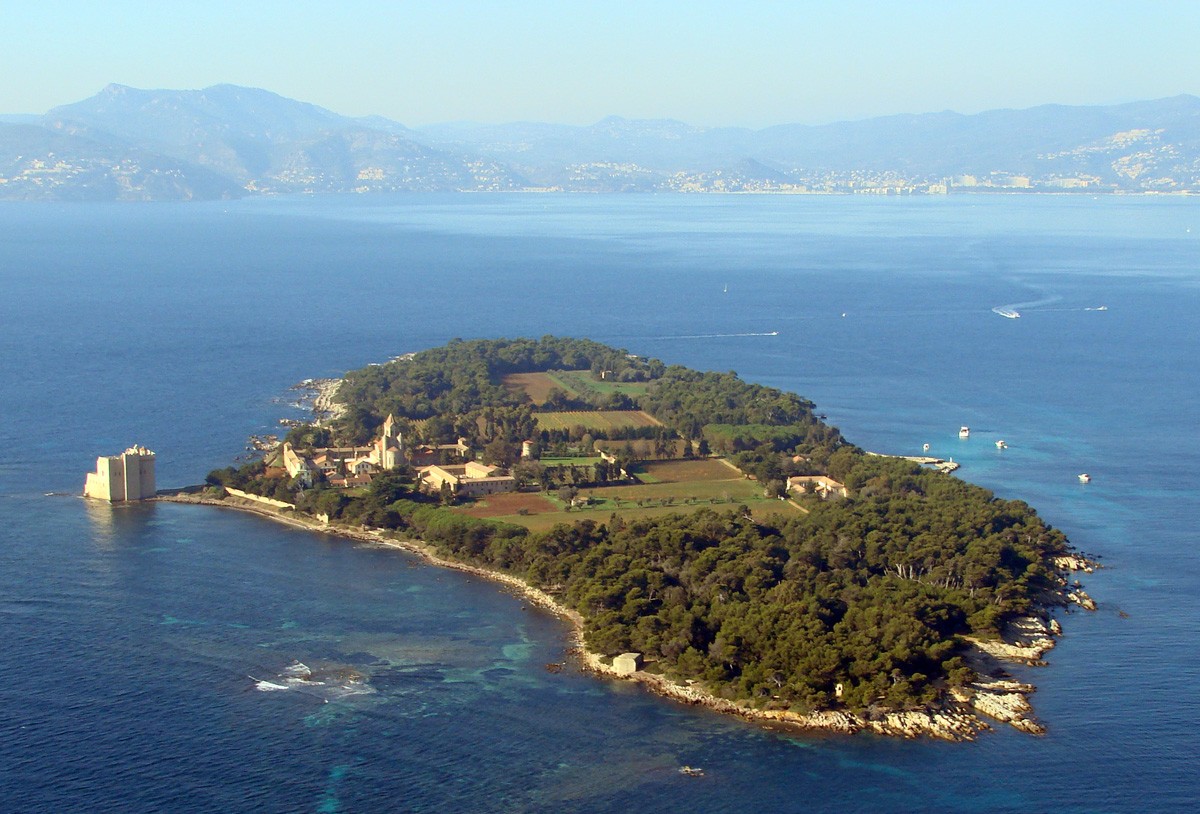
150,654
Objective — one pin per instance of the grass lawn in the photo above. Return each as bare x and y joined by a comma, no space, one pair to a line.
577,460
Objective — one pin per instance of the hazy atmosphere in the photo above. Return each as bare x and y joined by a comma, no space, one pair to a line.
596,408
707,63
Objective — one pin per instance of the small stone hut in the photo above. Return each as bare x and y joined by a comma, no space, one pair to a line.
627,663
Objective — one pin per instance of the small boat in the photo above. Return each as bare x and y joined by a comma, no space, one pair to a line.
691,771
925,448
964,432
1001,445
1085,478
772,333
1008,313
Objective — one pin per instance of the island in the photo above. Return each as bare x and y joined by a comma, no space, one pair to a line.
709,537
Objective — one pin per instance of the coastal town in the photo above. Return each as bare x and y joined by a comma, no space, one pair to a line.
1139,149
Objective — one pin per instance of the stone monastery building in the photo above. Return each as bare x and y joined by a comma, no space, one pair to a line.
354,466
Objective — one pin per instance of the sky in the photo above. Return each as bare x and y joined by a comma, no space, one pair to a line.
749,63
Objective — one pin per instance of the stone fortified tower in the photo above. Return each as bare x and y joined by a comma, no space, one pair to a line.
128,476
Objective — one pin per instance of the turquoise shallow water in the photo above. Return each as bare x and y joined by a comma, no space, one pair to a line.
135,639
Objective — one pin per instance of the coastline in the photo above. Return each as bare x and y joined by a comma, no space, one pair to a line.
318,396
961,717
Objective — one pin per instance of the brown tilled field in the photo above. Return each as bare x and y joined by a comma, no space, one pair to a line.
510,504
702,469
535,385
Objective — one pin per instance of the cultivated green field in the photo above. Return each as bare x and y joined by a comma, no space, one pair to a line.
696,470
644,448
578,384
582,382
577,460
535,385
679,487
595,419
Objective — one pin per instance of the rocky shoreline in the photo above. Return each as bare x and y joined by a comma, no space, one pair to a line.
324,407
961,717
318,396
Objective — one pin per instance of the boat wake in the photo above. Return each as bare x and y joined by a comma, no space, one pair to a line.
1013,310
719,336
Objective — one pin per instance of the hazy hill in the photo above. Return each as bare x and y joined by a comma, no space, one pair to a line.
226,141
39,164
267,143
1142,145
1006,140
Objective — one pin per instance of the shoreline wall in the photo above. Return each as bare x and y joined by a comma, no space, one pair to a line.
266,501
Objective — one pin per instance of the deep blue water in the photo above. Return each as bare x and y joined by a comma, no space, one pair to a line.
131,639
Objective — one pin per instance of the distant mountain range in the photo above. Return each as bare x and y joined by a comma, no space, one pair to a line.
228,141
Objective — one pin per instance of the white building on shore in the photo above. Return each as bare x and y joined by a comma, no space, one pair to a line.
128,476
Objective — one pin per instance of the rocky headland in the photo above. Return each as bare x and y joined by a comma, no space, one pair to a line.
317,395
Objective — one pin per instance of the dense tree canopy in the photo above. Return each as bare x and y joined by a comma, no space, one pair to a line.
871,592
458,390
